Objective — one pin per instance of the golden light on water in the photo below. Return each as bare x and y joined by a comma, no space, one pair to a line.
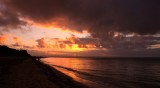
74,63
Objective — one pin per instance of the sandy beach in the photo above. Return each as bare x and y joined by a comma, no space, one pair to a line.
18,72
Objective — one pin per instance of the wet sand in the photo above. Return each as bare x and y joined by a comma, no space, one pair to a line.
27,73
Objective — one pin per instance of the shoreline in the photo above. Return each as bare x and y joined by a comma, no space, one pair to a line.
61,79
20,72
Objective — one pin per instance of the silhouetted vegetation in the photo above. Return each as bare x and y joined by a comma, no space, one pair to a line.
6,51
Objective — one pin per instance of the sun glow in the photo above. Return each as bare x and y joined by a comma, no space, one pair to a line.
70,44
74,47
57,37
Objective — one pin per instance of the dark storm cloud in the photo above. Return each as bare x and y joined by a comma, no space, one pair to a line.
98,16
9,18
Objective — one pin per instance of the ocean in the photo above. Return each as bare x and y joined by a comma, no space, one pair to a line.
110,72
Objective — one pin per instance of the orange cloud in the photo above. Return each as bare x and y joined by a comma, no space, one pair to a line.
69,44
2,39
60,23
16,38
17,42
42,43
57,23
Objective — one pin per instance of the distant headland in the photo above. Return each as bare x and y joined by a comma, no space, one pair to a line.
6,51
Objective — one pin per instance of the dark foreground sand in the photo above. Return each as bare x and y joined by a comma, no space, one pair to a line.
27,73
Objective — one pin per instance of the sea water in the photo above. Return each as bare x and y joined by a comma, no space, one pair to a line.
110,72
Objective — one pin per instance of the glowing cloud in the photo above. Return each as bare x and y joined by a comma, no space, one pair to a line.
2,39
156,46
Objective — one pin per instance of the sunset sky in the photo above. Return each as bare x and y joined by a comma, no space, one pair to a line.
82,27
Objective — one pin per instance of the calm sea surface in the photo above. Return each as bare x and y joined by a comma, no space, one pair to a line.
110,73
